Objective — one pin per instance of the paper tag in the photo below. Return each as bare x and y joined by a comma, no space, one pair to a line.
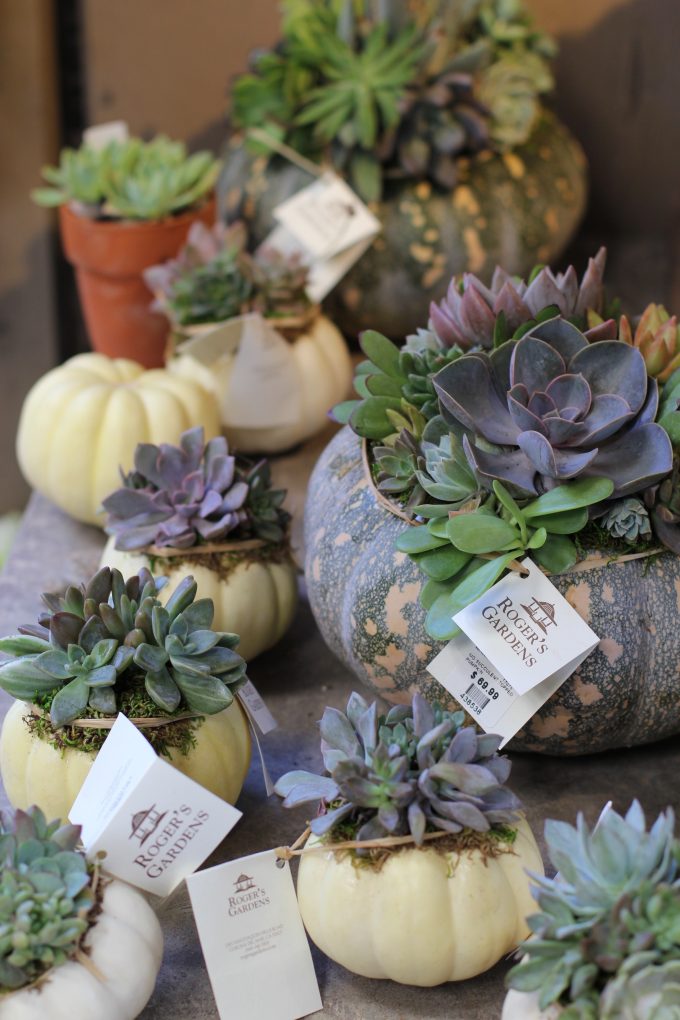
253,940
155,825
99,136
264,389
521,641
256,710
327,217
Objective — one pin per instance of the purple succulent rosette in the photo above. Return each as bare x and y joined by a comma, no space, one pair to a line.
552,407
467,315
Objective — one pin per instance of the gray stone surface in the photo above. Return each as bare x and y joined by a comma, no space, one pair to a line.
297,679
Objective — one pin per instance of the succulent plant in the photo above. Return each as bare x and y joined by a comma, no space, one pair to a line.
214,278
509,90
627,519
446,477
46,897
181,495
97,640
131,179
607,938
416,769
397,464
657,337
663,502
551,407
473,315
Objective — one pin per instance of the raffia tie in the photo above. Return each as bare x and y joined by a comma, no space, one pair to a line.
287,853
152,722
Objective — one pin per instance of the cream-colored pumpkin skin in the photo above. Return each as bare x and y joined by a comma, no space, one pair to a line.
524,1006
34,772
257,600
125,945
424,918
82,421
324,370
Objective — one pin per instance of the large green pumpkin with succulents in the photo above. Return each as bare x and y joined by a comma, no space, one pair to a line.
503,431
111,646
433,112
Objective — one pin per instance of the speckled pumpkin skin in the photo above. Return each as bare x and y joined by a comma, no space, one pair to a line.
364,596
513,210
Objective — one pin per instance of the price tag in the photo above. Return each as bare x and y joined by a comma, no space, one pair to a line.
100,135
253,940
521,640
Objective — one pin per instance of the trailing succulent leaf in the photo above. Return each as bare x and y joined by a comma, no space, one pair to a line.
131,179
181,495
110,634
657,337
46,897
627,519
607,938
214,278
466,551
473,315
417,769
388,90
551,407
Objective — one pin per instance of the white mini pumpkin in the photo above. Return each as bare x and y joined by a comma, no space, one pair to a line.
324,370
524,1006
81,421
256,599
35,772
125,947
424,917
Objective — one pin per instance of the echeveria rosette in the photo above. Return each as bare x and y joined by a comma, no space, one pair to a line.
474,315
417,769
606,942
551,407
111,635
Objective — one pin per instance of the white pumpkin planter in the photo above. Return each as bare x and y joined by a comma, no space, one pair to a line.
324,372
424,917
125,945
83,420
257,600
524,1006
35,772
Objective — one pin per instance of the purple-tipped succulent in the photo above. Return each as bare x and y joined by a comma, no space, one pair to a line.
551,407
177,495
467,315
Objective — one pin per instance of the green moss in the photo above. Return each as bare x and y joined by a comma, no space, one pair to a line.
223,564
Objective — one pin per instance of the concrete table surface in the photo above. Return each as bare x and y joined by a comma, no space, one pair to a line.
298,679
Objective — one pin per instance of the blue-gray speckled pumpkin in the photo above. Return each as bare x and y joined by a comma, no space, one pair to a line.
364,596
513,210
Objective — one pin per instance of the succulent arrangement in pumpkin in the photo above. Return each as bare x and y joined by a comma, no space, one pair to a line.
108,646
410,102
214,279
606,939
527,419
414,819
124,207
72,941
197,508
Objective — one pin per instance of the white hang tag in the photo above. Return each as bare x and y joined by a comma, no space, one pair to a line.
264,388
327,217
521,640
253,940
100,135
210,344
261,722
155,825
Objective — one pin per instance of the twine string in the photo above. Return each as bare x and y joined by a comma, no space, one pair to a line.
286,853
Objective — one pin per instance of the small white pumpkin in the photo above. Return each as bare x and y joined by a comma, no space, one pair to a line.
125,946
35,772
81,421
524,1006
256,600
424,917
324,369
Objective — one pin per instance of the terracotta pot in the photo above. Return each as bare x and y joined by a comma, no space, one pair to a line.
109,257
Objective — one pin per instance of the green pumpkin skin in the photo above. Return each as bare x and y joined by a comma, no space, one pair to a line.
364,596
512,210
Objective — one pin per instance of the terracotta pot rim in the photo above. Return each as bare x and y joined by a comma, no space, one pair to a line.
138,225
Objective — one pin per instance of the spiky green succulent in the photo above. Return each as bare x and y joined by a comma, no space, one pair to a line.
109,635
178,496
607,938
214,278
130,179
416,769
627,519
397,89
46,897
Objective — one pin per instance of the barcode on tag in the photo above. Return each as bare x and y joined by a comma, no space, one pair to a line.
476,699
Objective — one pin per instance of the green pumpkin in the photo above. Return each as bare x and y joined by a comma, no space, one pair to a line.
513,210
364,596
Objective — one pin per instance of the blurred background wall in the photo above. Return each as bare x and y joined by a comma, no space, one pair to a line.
165,65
